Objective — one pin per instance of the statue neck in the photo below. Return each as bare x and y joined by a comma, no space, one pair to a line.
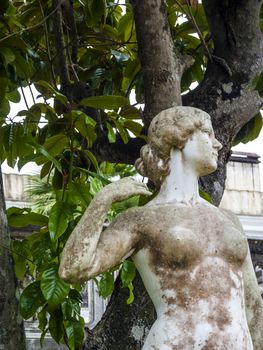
181,185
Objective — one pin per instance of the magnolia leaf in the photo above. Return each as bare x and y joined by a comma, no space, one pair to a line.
58,95
75,332
55,325
58,220
25,219
31,299
131,296
92,159
55,145
95,185
249,131
53,287
106,284
42,319
79,193
123,132
205,195
13,96
128,272
7,54
20,254
111,133
48,156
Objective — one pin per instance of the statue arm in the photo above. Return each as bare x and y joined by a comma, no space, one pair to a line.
89,251
254,303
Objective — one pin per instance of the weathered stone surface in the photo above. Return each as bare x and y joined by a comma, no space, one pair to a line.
193,257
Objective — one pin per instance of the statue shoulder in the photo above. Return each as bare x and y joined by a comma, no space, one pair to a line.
232,217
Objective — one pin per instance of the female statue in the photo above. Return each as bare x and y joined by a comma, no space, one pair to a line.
193,257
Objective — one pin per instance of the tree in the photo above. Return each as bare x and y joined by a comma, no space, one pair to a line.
12,332
89,56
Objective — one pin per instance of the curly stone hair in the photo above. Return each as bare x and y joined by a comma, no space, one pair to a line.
171,128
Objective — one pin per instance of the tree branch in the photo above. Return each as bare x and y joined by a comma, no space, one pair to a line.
68,12
117,152
161,66
60,46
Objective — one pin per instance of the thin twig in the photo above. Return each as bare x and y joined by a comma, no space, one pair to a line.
60,44
29,28
24,97
48,47
32,95
72,65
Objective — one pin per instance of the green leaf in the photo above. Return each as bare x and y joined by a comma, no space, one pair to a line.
42,319
55,145
95,185
44,152
106,284
81,115
55,325
4,108
25,219
53,287
111,133
58,220
131,112
7,54
70,308
131,296
96,10
105,102
45,170
128,272
122,131
3,83
249,131
58,95
86,126
79,193
134,127
13,96
24,68
75,332
20,253
31,299
205,195
92,159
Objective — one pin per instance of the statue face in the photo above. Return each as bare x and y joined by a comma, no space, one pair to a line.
201,150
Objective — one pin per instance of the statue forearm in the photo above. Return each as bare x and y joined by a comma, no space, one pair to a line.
80,250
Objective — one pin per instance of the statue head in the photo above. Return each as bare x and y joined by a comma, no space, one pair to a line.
170,129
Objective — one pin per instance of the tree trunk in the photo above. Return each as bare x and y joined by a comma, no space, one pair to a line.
12,334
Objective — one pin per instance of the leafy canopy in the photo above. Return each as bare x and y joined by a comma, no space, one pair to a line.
82,58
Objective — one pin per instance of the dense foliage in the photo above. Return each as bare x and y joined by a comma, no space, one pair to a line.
82,58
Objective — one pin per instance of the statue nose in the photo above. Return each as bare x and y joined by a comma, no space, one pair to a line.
217,145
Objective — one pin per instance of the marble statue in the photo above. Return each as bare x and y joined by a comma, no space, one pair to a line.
193,257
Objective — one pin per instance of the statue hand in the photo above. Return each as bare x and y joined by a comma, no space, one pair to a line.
123,189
